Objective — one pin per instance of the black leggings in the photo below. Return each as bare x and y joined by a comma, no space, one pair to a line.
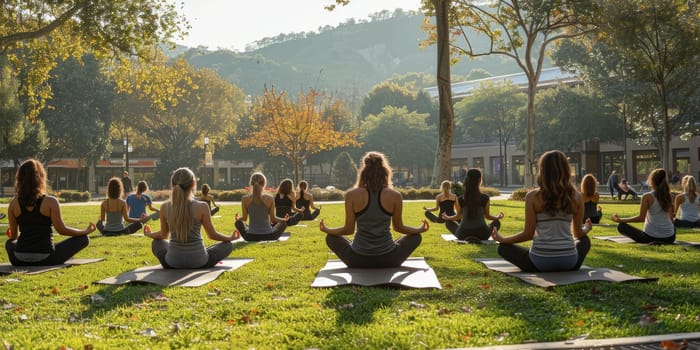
310,215
405,245
433,218
482,233
640,236
277,231
520,256
686,224
131,228
63,251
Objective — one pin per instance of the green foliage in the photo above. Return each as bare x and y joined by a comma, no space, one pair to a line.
36,34
73,196
11,130
405,138
569,116
268,303
231,196
389,94
344,171
519,194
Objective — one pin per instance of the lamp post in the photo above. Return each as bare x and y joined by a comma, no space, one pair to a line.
206,158
126,153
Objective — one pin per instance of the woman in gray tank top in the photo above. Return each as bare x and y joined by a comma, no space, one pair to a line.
184,217
553,216
655,210
260,208
114,212
373,206
687,204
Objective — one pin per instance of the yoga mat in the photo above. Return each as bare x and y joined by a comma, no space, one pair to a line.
452,238
551,279
7,268
413,273
156,274
627,240
285,236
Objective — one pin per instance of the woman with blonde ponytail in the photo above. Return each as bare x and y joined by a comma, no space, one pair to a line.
184,217
373,206
261,210
687,204
655,211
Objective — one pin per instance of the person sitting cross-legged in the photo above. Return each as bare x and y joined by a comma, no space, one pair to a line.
264,225
372,206
184,217
626,189
553,216
113,212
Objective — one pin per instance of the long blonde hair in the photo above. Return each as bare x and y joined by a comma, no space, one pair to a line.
589,187
690,187
180,217
257,182
445,186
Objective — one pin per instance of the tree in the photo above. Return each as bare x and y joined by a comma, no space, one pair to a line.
659,42
295,130
344,171
11,131
405,137
493,111
36,34
522,31
176,106
389,94
569,116
77,117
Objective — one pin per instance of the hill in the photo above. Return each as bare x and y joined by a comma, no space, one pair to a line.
346,60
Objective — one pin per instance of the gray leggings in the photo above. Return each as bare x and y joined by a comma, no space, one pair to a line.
404,247
277,231
215,253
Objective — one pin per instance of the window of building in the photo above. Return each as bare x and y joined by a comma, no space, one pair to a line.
644,163
518,170
681,159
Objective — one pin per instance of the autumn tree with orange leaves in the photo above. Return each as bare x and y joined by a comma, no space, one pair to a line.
297,129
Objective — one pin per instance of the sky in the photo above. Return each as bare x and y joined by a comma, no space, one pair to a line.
232,24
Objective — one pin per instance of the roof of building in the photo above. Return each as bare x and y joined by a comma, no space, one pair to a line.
548,77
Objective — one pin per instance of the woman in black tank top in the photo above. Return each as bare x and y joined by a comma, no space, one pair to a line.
32,213
305,202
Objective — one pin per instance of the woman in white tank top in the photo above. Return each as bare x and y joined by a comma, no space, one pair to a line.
656,211
688,204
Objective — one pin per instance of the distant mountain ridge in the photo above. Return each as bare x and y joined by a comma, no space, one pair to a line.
348,59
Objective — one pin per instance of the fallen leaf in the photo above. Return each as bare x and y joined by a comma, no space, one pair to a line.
484,286
345,306
54,291
649,306
88,347
270,285
501,337
443,311
159,297
580,323
448,285
96,298
148,332
113,327
416,305
672,345
646,320
83,287
594,290
467,310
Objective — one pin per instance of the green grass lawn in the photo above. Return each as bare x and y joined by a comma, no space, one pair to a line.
268,303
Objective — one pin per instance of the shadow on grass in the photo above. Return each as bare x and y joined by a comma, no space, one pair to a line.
357,305
111,297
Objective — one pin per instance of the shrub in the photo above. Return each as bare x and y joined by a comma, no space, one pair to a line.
327,194
519,194
73,196
160,195
231,196
457,189
490,191
427,193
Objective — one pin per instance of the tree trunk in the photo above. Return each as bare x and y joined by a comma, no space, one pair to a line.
530,161
443,156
